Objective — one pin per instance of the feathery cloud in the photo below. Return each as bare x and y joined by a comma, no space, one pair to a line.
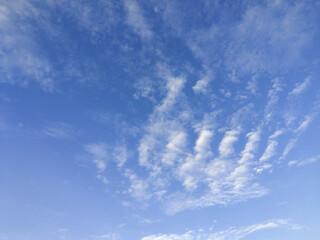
300,88
99,153
233,233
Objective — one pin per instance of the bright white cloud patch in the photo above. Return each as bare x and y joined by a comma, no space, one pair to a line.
226,144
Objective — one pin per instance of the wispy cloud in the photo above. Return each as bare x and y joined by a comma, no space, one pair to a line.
120,154
19,51
226,144
138,187
301,87
305,123
269,152
202,85
301,128
99,153
106,236
136,20
160,122
102,179
233,233
304,161
58,130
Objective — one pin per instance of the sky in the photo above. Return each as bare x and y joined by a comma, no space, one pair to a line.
159,120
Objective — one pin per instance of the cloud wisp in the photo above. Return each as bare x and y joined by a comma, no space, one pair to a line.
233,233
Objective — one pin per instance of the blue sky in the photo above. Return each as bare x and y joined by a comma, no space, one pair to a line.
159,120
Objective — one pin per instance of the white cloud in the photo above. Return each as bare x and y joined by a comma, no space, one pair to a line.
305,124
251,146
289,147
194,163
304,162
276,134
99,153
138,188
174,148
233,233
273,97
24,62
252,85
300,88
161,124
302,127
202,147
269,38
269,151
121,155
136,20
226,144
174,87
19,52
106,236
145,88
202,85
58,130
102,179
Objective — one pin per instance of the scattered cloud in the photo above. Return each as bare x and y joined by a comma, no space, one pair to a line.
304,161
58,130
233,233
136,20
138,188
300,88
99,154
107,236
202,85
305,123
226,144
102,179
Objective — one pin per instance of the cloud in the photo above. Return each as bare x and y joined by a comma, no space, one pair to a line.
19,53
273,97
26,25
300,88
58,130
145,88
174,148
305,124
265,40
233,233
196,161
160,122
269,151
251,146
202,85
120,154
99,153
304,162
138,188
136,20
226,144
102,179
106,236
289,147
